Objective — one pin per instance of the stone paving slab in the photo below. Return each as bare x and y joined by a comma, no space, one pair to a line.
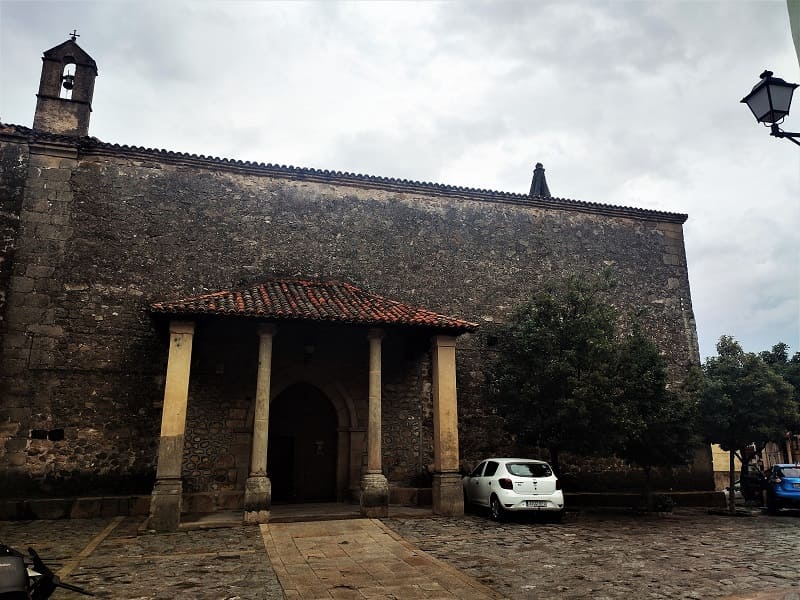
360,558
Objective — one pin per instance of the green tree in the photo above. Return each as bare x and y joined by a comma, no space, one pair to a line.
658,425
554,378
788,368
743,401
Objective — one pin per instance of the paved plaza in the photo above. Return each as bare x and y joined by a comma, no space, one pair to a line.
689,554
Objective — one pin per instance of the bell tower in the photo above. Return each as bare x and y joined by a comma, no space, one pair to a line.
64,101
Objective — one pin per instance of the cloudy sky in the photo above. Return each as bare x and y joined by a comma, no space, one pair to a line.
628,103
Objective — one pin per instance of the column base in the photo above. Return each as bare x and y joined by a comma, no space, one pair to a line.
165,505
257,499
448,494
256,517
374,495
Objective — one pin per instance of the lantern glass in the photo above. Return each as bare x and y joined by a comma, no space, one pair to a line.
781,101
758,103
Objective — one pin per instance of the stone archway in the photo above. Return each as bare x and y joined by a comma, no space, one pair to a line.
303,446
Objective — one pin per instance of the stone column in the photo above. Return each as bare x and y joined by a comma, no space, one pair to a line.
165,502
374,487
448,498
258,489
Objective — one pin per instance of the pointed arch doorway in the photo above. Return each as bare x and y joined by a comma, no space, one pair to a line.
302,452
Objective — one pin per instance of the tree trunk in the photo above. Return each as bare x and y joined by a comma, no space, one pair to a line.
648,490
554,462
731,472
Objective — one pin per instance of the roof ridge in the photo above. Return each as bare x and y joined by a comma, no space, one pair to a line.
90,143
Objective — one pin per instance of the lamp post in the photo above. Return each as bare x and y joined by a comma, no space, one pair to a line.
769,101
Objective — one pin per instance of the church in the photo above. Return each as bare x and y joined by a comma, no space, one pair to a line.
217,334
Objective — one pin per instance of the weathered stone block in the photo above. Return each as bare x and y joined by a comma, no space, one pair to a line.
199,503
229,499
8,429
15,445
165,506
50,508
374,496
37,271
448,495
140,505
257,494
87,508
46,330
22,285
12,510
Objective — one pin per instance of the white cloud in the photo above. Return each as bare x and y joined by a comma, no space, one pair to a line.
632,103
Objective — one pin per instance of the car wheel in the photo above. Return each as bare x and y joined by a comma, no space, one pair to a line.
496,509
555,517
772,505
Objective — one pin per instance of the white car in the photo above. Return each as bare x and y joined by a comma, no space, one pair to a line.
514,484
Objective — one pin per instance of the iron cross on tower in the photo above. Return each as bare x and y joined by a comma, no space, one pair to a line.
74,35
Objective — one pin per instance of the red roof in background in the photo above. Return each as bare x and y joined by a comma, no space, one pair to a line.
297,300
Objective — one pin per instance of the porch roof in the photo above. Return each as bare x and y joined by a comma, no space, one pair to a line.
300,300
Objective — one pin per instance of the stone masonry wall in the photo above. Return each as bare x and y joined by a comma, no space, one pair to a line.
13,172
104,233
407,413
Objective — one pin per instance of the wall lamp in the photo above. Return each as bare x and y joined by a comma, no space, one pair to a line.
769,101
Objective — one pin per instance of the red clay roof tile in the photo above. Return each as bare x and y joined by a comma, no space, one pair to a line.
300,300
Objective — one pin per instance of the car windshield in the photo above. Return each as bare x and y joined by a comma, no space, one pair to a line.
789,472
529,469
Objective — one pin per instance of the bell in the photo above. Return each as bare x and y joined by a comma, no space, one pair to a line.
68,82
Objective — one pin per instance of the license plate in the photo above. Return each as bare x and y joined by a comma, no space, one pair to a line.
535,503
796,485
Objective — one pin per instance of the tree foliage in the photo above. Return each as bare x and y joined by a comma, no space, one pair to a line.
788,368
554,374
565,381
658,423
744,401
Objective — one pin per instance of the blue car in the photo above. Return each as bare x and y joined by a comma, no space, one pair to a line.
783,487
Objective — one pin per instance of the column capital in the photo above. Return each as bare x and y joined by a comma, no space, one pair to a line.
181,327
375,334
267,329
447,341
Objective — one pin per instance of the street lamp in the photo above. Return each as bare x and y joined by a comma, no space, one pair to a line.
769,101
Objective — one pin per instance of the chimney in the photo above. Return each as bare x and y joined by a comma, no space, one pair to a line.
539,183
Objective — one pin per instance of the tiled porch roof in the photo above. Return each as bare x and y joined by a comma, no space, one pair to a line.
298,300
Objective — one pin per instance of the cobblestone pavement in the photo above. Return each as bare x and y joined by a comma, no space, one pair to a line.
689,554
591,555
209,564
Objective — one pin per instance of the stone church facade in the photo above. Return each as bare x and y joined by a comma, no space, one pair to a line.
253,333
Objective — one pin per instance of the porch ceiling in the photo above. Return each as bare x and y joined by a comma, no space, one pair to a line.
300,300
